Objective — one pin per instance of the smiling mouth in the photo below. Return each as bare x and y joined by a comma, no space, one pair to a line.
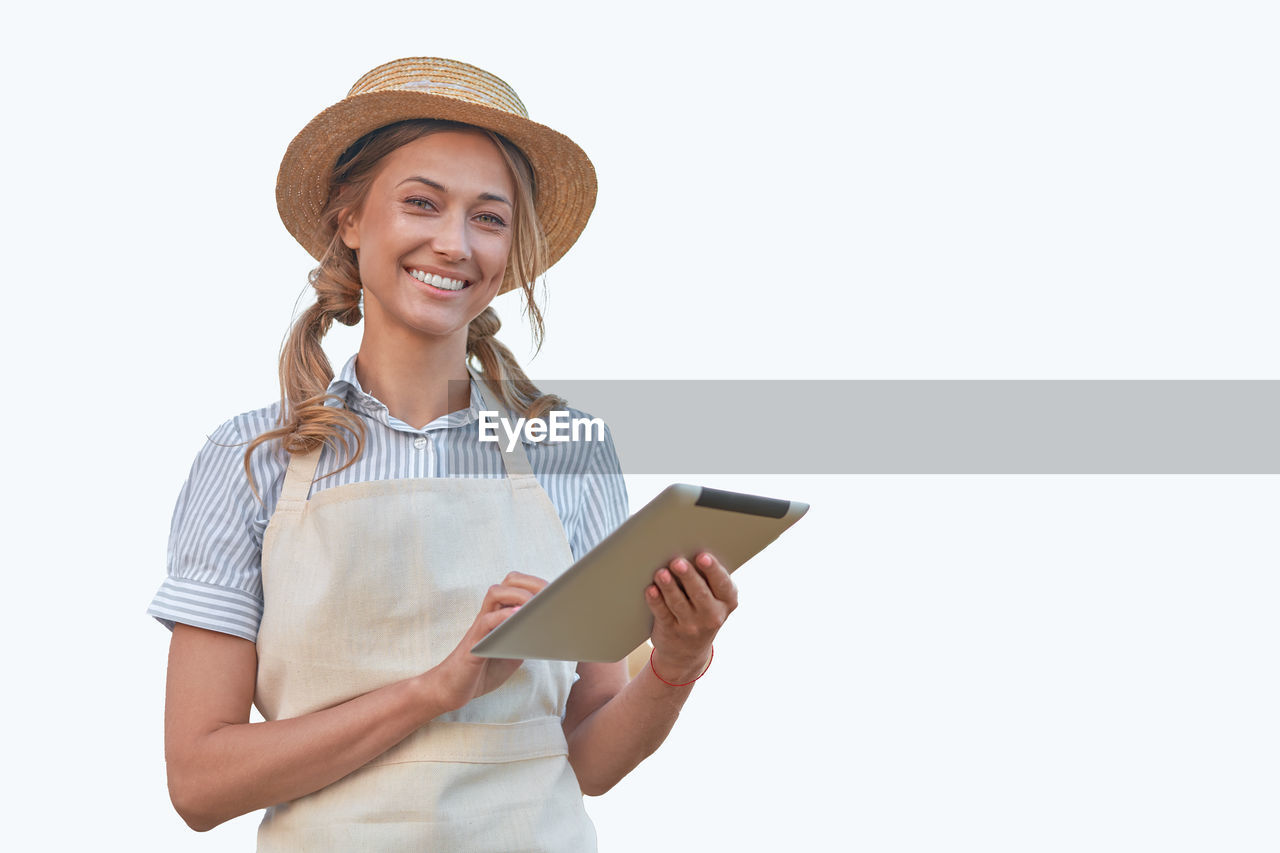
438,281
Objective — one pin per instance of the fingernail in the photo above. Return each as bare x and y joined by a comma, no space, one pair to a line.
704,560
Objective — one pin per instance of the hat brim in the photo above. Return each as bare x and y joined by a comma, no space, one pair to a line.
566,179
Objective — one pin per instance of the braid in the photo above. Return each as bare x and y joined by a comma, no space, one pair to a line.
502,370
306,423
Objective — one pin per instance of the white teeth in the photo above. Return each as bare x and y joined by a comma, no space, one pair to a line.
437,280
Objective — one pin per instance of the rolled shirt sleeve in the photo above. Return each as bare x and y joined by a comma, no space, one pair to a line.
215,544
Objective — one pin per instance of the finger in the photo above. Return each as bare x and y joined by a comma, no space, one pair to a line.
532,583
717,577
657,606
695,585
488,621
484,624
501,595
673,595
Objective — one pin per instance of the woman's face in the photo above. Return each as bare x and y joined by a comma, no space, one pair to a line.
433,235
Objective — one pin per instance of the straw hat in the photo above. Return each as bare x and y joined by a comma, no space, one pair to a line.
429,87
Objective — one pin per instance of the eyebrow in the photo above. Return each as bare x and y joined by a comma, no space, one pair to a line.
441,187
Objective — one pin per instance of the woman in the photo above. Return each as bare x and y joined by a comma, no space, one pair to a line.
334,558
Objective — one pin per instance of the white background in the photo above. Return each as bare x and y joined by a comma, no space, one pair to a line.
793,190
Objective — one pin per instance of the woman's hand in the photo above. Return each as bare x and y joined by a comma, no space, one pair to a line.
611,723
463,676
689,604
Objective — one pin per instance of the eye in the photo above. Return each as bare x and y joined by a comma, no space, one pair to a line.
492,219
424,203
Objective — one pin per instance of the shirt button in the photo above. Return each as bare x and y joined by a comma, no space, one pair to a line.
420,442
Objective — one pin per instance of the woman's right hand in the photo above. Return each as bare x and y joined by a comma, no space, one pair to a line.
462,676
220,765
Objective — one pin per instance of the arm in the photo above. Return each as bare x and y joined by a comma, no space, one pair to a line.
220,765
612,724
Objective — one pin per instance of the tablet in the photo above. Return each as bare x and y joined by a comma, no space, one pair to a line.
595,611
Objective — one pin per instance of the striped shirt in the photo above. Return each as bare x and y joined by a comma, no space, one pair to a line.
215,540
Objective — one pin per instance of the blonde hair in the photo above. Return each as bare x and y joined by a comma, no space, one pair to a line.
305,422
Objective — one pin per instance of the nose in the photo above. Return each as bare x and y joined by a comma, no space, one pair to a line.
450,239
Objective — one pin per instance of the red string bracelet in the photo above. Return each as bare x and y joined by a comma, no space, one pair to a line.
687,683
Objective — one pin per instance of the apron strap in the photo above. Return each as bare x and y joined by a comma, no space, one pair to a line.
298,479
519,471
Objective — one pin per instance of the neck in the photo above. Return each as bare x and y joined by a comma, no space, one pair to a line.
418,379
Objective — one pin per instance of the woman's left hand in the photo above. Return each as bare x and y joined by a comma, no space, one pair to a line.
689,602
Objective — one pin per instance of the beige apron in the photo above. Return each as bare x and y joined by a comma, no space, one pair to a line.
369,583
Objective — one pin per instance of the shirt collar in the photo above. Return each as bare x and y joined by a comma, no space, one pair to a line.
345,387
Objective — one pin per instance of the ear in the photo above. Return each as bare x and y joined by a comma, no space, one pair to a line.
349,229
